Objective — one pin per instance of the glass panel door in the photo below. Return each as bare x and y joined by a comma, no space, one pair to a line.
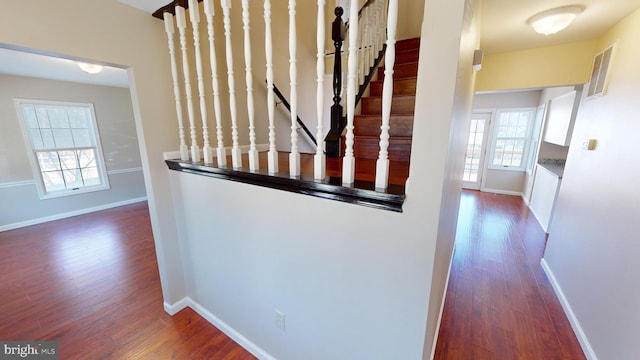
476,145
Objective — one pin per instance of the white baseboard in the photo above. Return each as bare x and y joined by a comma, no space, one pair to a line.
575,324
69,214
254,349
444,298
502,192
174,308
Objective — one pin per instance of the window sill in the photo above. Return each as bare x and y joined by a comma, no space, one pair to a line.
362,193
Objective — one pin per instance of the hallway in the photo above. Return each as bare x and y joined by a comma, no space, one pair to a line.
499,303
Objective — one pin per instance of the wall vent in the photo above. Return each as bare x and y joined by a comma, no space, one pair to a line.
600,72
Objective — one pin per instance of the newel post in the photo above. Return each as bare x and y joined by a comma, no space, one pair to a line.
333,139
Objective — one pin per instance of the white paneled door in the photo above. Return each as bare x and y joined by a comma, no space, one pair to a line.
476,149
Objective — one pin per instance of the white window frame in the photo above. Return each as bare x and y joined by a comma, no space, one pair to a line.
31,149
494,137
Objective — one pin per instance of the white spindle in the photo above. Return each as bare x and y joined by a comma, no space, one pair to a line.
273,154
319,163
294,156
221,154
371,17
253,151
168,27
382,165
194,15
348,162
361,26
236,155
182,25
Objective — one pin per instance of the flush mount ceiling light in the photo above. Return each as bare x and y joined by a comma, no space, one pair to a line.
551,21
90,68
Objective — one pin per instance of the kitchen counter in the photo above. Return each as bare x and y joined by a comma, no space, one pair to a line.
556,166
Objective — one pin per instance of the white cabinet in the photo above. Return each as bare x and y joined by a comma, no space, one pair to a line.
561,116
543,197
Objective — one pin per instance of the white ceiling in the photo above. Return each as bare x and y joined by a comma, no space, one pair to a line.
504,28
24,63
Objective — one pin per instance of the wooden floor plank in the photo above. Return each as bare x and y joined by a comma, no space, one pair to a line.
499,304
91,282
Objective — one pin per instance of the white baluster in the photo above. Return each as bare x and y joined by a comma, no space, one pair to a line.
382,164
348,162
361,30
236,155
168,27
253,151
268,42
182,25
319,163
221,154
371,17
294,156
194,15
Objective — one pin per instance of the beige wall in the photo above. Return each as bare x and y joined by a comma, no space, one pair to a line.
593,242
535,68
116,126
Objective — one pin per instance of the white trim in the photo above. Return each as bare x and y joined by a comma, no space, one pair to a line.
123,171
17,183
174,308
69,214
502,192
254,349
444,298
575,324
168,155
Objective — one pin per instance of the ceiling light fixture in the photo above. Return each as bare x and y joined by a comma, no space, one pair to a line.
551,21
90,68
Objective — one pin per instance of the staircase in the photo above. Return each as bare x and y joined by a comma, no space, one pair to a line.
367,124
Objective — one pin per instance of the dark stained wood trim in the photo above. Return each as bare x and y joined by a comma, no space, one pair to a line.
362,193
171,8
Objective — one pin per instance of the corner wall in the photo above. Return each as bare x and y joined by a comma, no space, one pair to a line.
592,251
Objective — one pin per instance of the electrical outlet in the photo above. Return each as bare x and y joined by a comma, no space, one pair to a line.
279,320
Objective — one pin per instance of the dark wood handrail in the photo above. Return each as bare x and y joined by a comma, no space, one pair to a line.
288,106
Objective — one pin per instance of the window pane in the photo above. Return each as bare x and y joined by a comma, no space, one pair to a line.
68,160
48,161
30,117
81,137
47,139
78,118
58,118
72,178
90,176
43,117
63,138
87,158
36,139
53,181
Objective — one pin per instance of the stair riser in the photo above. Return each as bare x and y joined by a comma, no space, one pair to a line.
399,149
400,87
401,71
408,56
398,126
399,105
408,44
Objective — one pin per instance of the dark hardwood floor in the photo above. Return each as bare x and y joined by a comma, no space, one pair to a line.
91,283
499,303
